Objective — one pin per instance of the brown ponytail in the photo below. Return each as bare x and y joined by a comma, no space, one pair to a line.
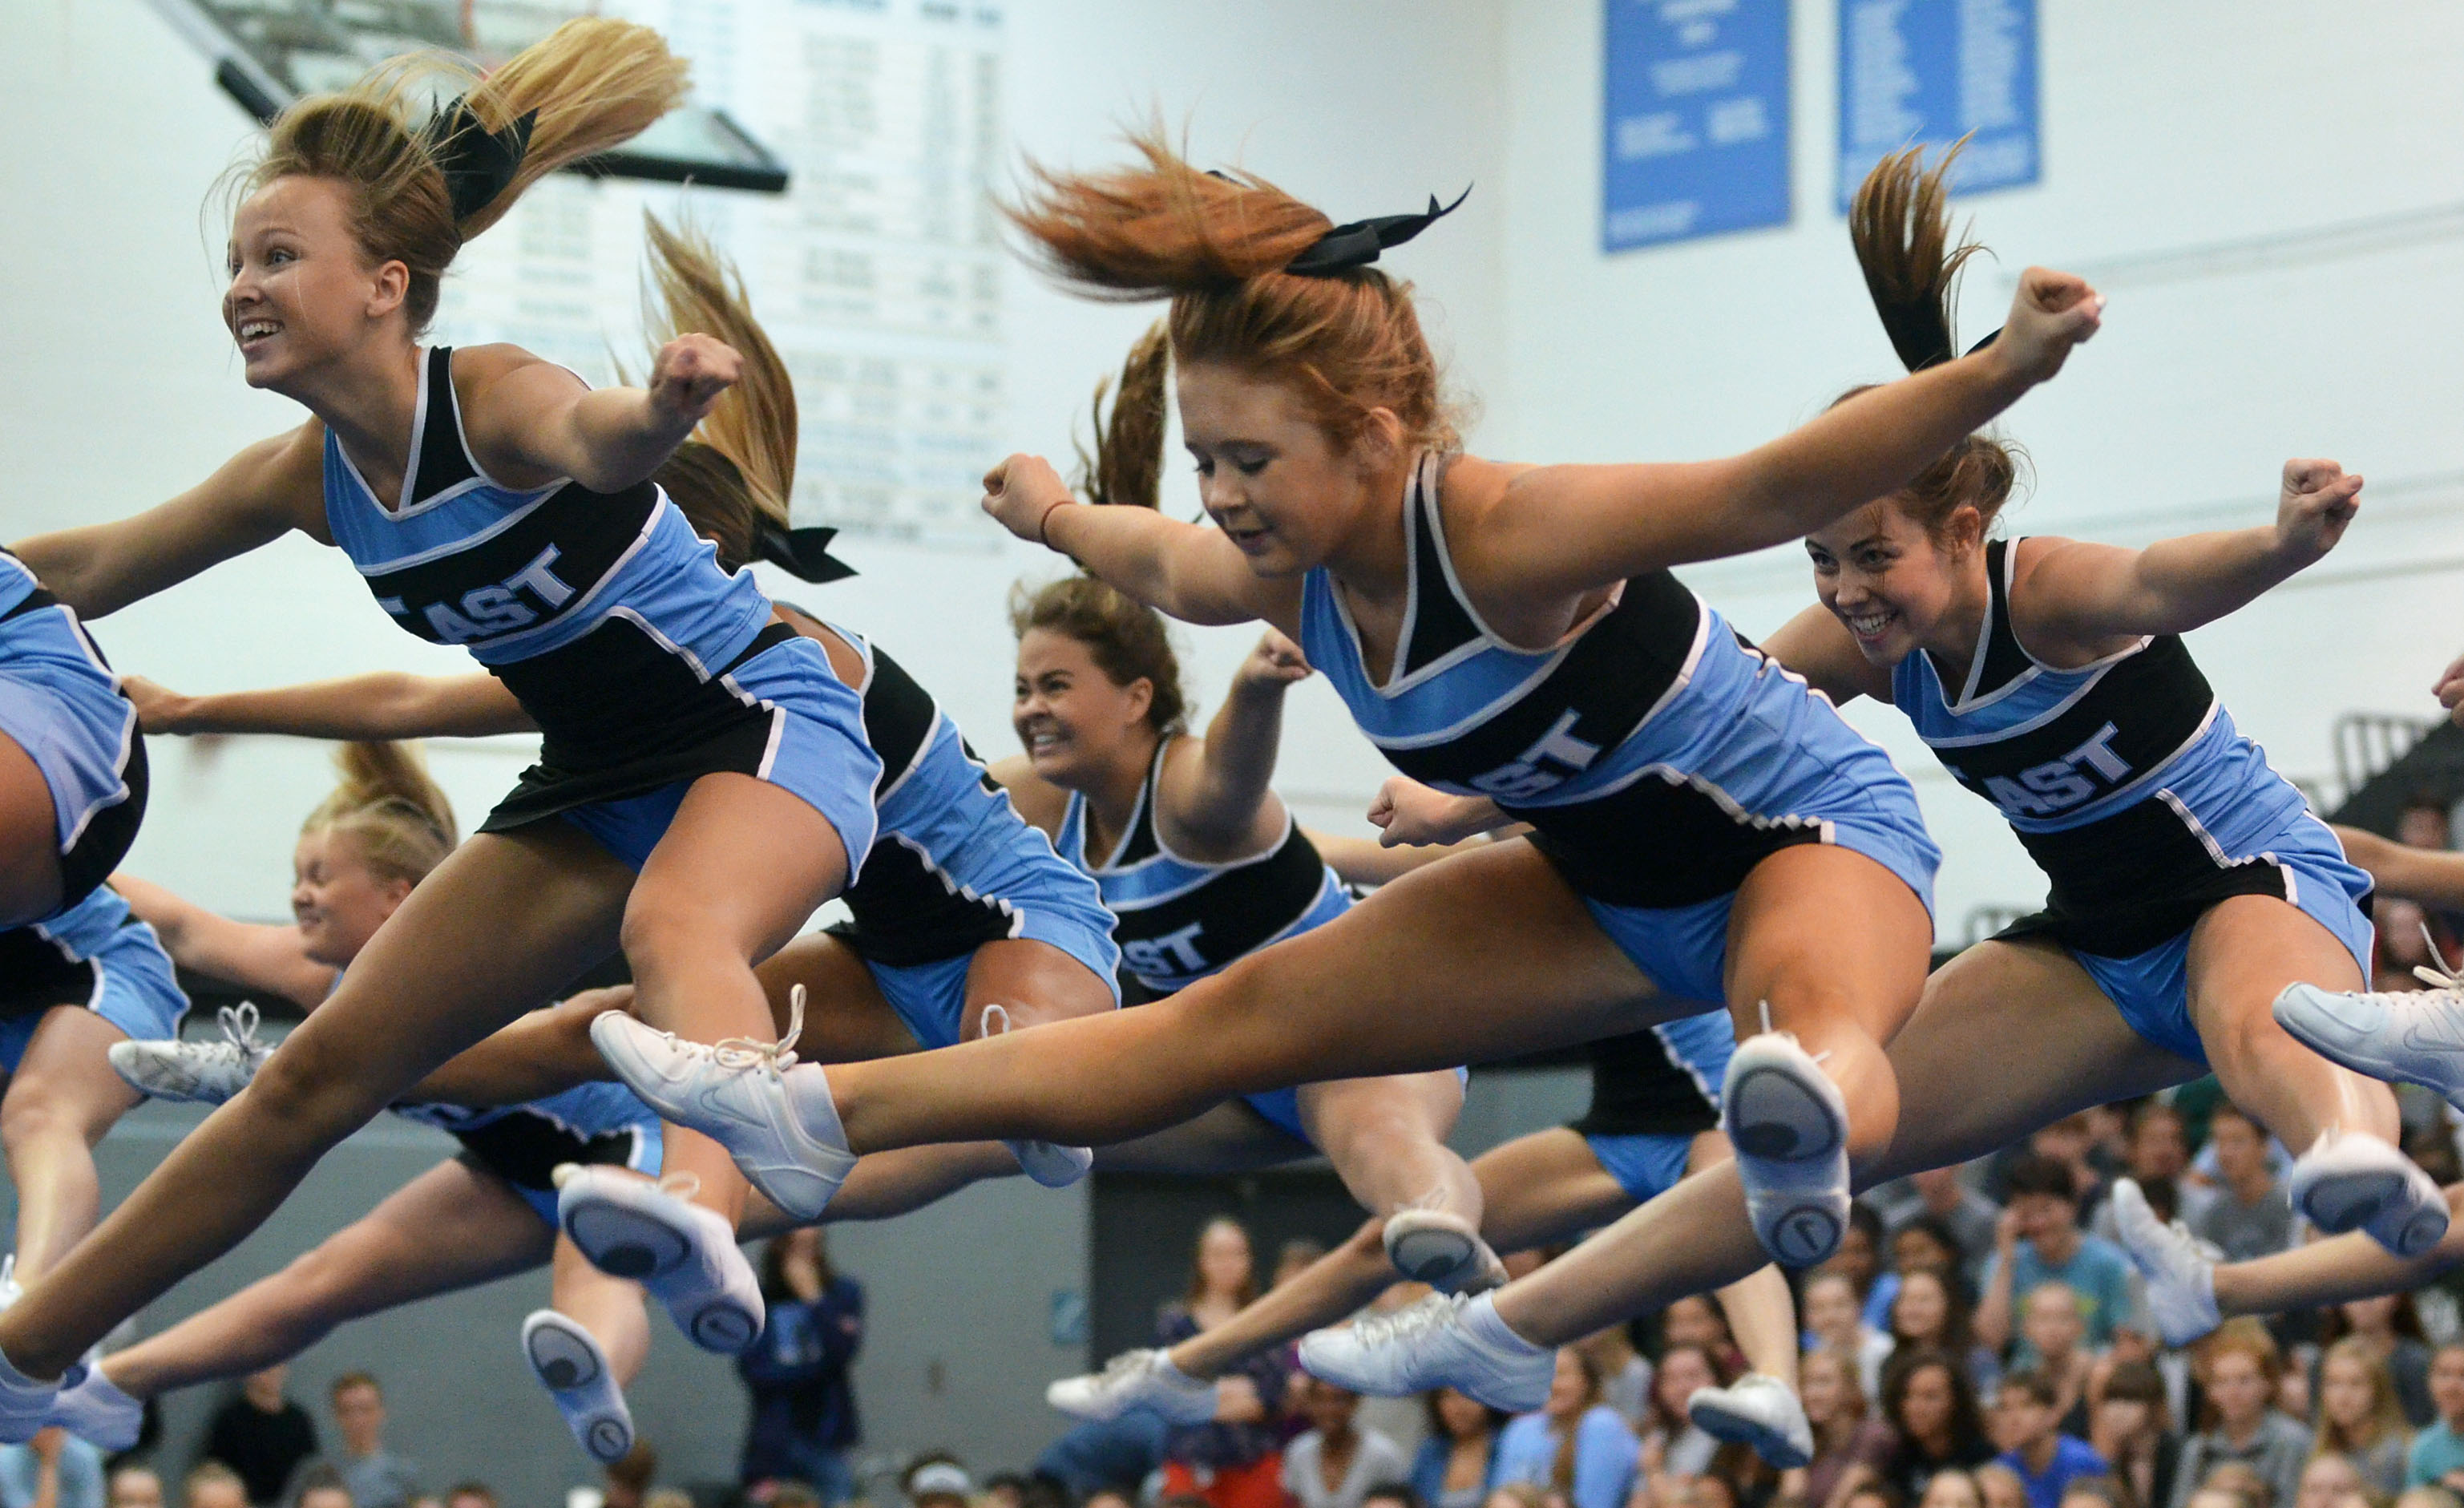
587,86
399,817
1215,247
739,470
1899,221
1126,467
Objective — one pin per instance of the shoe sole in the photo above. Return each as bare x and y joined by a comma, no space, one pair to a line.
564,1363
626,1243
1738,1428
720,1325
1774,1117
1431,1254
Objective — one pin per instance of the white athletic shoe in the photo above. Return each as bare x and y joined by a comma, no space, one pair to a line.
739,1094
1760,1412
1443,1250
25,1404
1444,1341
1047,1163
206,1072
1136,1380
1790,1128
568,1363
2353,1181
2180,1268
98,1412
2412,1036
686,1255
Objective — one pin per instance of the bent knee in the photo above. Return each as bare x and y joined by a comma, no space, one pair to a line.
311,1087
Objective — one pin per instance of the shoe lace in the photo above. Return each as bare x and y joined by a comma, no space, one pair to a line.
2437,978
1126,1367
1432,1313
743,1053
239,1030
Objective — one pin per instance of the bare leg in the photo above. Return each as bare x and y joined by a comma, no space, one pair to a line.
60,1101
1386,1138
29,834
2008,1037
1761,1311
1487,954
451,1227
1034,981
609,1308
2243,953
540,1053
741,867
504,923
2336,1270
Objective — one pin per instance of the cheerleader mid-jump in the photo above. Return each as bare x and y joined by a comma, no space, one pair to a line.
705,780
2189,880
1496,629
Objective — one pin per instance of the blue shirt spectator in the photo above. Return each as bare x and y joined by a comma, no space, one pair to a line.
2071,1459
2039,1241
803,1417
1605,1451
80,1469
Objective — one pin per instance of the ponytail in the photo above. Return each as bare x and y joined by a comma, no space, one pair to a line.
1126,467
398,815
419,190
1216,246
1900,222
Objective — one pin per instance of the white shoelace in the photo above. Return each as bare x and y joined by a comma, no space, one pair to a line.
239,1030
2436,978
749,1052
1434,1312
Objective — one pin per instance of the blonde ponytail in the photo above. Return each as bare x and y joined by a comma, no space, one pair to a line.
389,806
586,87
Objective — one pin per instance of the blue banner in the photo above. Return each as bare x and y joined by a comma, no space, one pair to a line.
1693,120
1933,70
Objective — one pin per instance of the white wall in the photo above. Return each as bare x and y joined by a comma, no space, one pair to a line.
2166,127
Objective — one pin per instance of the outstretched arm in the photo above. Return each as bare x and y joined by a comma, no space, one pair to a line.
265,490
253,955
1221,798
531,421
1565,530
1181,570
2082,592
1358,861
2434,878
388,704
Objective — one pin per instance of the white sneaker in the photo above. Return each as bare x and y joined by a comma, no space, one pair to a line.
739,1094
1136,1380
2180,1268
1788,1125
1444,1341
686,1255
208,1073
2402,1036
1760,1412
25,1404
1443,1250
98,1412
2353,1181
568,1363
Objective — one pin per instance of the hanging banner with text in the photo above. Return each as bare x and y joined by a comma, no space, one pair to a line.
1694,119
1933,70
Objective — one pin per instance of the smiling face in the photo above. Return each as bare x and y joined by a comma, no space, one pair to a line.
301,292
1888,582
336,900
1077,726
1921,1307
1277,485
1821,1386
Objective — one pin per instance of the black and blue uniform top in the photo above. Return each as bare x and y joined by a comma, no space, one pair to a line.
1657,757
2124,779
1178,920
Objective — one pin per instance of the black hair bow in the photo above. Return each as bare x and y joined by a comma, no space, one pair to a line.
1357,244
802,553
478,163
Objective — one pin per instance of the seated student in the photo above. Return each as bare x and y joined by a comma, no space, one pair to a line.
1953,1490
54,1470
2039,1241
1334,1464
213,1485
1575,1444
2438,1451
134,1487
2027,1426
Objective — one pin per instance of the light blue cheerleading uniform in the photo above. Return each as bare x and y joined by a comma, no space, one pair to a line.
96,955
60,702
1656,755
1179,920
645,665
1653,1092
2131,790
590,1124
